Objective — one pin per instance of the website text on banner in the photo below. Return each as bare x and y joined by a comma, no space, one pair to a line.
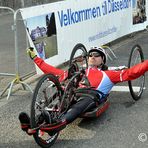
55,28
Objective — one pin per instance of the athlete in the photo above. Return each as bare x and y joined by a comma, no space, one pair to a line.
100,78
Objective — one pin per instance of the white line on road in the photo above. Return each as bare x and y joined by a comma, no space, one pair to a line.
125,88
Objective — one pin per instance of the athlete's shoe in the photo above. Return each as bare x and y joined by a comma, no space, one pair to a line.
24,120
44,121
25,123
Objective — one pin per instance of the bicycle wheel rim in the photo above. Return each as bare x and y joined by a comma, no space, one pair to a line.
79,56
39,103
136,86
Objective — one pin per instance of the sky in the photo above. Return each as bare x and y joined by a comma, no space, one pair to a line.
39,21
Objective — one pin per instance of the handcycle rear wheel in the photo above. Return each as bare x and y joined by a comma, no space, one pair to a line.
79,56
46,97
136,86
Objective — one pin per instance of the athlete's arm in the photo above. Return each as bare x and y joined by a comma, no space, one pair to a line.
46,68
128,74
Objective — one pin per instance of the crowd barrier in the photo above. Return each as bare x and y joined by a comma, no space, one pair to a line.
17,78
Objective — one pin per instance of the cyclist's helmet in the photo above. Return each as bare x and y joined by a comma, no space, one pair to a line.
100,50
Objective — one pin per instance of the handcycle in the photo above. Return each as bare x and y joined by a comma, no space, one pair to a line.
57,97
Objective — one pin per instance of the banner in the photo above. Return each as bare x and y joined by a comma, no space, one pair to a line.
55,28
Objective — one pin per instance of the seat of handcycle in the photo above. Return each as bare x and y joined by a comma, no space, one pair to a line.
97,111
101,105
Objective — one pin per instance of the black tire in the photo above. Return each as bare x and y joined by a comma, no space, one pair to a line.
47,90
79,56
136,56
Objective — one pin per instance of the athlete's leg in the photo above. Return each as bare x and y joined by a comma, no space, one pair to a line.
84,103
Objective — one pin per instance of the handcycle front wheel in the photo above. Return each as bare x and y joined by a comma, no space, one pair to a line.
136,86
46,97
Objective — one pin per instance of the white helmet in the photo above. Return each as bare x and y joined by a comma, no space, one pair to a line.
100,50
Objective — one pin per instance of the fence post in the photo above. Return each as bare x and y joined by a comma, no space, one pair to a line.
17,78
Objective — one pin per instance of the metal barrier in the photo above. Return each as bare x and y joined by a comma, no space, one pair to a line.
17,79
111,55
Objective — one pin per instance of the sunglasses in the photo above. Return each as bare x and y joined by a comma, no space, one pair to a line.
94,54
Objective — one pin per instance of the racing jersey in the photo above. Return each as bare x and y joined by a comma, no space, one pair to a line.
99,79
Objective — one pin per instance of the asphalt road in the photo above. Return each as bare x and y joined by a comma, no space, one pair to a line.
118,127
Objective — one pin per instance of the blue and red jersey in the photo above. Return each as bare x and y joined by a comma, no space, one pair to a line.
99,79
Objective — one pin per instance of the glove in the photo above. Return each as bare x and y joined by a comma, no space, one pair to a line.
31,53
